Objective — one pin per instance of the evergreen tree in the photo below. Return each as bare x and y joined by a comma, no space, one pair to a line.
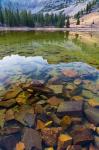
68,22
78,21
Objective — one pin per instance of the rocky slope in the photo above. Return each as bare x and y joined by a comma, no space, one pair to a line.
68,7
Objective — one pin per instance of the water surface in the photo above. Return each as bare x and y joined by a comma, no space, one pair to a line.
56,47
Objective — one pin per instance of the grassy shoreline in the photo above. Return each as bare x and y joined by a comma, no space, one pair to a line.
74,29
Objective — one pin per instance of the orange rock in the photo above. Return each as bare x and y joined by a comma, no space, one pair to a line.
50,135
69,73
77,98
63,141
40,125
66,122
54,101
20,146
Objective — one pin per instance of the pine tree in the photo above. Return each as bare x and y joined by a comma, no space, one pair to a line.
68,22
78,21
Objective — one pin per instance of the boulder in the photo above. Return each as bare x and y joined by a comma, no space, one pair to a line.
12,93
31,139
54,101
70,73
9,115
96,138
57,89
92,114
50,135
65,122
70,108
2,117
81,136
30,119
9,142
9,130
63,141
20,146
7,103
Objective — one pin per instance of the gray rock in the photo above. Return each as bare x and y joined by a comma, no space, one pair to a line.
92,114
71,108
29,119
32,139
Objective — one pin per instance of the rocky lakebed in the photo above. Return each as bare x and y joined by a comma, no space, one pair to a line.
48,107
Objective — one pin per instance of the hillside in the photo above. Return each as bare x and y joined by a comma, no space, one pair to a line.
89,20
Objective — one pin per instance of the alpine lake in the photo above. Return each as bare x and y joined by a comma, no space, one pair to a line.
49,90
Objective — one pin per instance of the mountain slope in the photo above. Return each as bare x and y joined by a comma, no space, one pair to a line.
67,7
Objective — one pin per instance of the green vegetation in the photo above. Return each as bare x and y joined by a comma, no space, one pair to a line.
12,18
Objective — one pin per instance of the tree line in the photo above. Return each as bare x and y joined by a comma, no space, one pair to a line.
12,18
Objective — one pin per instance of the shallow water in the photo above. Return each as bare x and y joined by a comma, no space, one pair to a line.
56,47
41,72
20,69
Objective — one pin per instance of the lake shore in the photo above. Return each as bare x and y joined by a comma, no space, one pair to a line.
74,29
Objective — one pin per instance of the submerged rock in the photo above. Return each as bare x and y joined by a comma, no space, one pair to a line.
82,136
50,135
2,117
92,114
20,146
70,73
70,108
7,103
31,139
9,142
12,93
57,89
66,122
54,101
63,141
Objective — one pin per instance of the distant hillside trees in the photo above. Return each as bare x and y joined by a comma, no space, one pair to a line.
10,17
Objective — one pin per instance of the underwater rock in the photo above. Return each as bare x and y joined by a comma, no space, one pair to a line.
22,98
54,101
31,139
87,94
9,142
92,114
55,119
96,138
9,130
30,119
63,141
38,109
75,147
93,102
20,146
70,108
77,98
9,115
20,115
2,117
40,125
70,73
12,93
50,135
57,89
66,122
81,136
70,90
7,103
77,82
